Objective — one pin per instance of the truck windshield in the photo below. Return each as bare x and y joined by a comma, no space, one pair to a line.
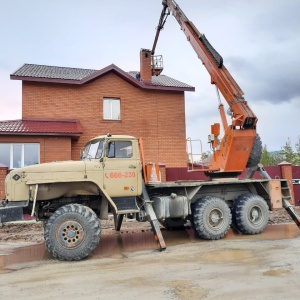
93,150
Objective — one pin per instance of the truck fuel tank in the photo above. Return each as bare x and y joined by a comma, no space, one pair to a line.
172,206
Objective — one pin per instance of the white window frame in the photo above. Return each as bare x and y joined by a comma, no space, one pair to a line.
111,109
11,153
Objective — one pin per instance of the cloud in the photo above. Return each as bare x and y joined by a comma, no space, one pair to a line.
268,77
277,21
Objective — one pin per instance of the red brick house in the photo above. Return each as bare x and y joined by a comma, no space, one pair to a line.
62,108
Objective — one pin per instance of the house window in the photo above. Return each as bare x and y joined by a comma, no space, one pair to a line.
19,155
111,109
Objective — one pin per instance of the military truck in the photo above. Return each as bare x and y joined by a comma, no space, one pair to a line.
112,177
72,197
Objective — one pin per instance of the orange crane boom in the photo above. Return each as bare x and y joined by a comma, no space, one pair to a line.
231,154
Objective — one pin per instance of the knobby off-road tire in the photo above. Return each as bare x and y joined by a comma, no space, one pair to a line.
72,232
211,217
173,223
250,213
256,153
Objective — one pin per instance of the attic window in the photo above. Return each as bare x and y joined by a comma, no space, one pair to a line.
111,109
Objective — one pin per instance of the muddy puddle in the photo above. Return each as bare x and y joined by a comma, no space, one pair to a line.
115,245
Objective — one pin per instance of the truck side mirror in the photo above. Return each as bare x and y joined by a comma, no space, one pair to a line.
105,148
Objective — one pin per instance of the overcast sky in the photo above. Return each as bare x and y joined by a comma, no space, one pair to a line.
258,39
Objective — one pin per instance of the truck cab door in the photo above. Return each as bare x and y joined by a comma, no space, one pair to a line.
122,169
93,167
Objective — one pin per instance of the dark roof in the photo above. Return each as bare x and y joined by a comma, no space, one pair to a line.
163,80
26,126
41,73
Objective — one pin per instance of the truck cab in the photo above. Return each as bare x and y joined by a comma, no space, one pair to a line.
116,162
108,177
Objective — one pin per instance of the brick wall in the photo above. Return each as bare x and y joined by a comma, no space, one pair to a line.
57,148
3,173
156,116
145,65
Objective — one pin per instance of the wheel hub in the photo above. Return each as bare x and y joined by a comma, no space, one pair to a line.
70,234
256,216
215,218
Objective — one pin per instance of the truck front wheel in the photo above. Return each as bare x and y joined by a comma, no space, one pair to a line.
250,213
211,217
72,232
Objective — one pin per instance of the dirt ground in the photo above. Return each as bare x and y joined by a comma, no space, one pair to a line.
128,265
33,231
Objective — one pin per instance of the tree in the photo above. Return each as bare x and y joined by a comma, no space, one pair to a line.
271,158
297,153
277,158
288,152
266,157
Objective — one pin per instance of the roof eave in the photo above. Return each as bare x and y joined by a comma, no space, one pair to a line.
47,80
41,133
169,88
111,68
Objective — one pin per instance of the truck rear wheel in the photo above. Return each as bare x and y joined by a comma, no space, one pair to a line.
211,217
250,213
72,232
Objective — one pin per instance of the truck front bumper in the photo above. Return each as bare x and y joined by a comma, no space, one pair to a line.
12,211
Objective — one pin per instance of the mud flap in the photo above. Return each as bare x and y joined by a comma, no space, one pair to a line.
118,219
9,214
12,211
